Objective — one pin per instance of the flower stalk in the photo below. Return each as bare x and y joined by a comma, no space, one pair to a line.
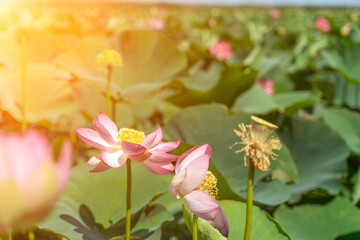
128,200
108,59
108,89
258,148
31,235
23,82
195,227
249,202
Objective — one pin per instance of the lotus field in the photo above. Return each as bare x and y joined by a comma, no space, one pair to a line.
123,121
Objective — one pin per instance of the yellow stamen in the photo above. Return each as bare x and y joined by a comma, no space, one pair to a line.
130,135
258,145
208,185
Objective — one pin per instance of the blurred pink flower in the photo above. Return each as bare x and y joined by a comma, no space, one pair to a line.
156,24
275,13
322,24
30,179
197,186
267,85
117,145
221,50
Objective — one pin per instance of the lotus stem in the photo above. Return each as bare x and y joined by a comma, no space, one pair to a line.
249,202
195,227
108,90
10,235
128,200
23,82
31,235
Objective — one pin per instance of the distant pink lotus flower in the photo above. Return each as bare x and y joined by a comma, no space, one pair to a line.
322,24
275,13
156,24
117,145
197,186
221,50
267,85
30,178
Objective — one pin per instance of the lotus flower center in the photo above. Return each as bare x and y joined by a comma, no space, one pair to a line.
130,135
208,185
109,57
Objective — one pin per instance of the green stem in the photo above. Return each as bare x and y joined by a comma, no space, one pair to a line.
128,200
195,227
108,90
113,110
10,235
249,201
31,235
23,82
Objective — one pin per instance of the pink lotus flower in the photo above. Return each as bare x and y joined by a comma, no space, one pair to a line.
152,152
275,13
117,145
267,85
30,179
197,186
221,50
322,24
156,24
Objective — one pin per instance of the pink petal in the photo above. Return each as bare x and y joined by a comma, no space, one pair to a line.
132,148
160,169
166,146
95,160
202,150
152,139
92,138
108,123
196,172
63,165
220,222
162,157
113,159
4,164
100,168
176,182
103,132
26,152
183,156
202,205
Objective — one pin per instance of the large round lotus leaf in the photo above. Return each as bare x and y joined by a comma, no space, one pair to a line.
255,100
213,124
39,46
97,201
319,153
344,60
338,219
91,102
49,95
346,124
149,61
264,227
233,80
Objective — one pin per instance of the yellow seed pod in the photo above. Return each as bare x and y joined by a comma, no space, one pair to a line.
109,57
